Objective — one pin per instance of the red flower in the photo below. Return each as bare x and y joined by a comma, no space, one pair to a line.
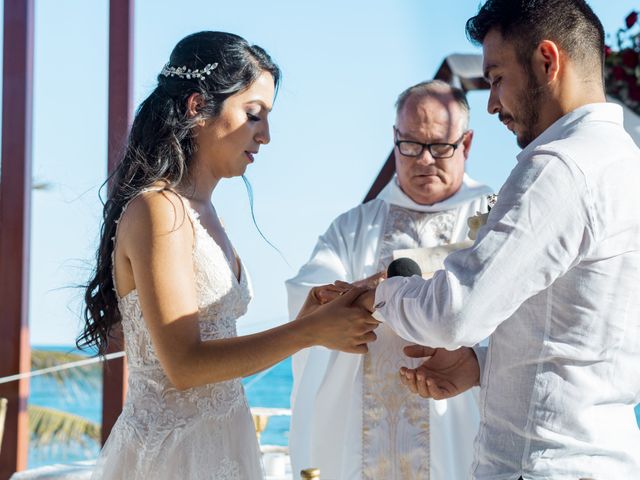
607,50
630,58
634,92
618,72
623,67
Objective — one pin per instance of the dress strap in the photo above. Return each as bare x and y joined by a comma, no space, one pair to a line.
115,235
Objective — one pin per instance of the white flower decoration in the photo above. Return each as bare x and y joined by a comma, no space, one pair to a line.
479,219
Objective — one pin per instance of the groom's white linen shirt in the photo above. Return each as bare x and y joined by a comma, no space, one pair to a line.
554,279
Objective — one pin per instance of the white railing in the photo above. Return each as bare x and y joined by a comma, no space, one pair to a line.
63,366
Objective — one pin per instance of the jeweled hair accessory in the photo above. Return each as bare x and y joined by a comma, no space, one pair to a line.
184,72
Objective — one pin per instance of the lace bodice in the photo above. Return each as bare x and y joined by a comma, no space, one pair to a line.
222,299
153,405
204,432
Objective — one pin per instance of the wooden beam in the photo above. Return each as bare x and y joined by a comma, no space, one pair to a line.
15,216
120,114
384,176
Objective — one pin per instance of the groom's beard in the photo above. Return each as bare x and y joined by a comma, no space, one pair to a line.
530,101
527,113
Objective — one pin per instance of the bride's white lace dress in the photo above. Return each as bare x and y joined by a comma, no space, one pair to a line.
201,433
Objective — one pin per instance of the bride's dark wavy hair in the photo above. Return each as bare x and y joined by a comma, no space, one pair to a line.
160,148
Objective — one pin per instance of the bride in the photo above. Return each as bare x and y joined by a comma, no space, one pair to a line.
169,277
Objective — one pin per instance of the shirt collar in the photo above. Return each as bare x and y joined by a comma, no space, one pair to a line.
603,112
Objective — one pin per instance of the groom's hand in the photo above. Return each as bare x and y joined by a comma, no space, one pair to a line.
373,281
444,373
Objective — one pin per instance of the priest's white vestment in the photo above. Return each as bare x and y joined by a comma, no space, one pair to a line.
352,417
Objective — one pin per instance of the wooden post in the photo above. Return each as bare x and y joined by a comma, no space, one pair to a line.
384,177
15,216
3,415
120,108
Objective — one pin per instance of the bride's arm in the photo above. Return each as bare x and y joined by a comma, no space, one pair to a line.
156,236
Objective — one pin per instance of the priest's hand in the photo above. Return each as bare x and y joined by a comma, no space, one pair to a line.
339,324
444,373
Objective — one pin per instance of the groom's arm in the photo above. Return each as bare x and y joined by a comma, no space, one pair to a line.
539,228
417,381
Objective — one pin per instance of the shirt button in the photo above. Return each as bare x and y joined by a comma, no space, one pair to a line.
379,305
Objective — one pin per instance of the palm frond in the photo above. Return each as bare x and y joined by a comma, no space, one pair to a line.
50,426
88,375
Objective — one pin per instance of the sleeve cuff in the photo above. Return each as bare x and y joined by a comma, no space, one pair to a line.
383,292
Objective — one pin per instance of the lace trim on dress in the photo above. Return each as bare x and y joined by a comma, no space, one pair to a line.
228,470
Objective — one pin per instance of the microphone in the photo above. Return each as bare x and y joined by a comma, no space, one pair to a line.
403,267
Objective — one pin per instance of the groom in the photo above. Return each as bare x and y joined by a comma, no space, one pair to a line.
554,275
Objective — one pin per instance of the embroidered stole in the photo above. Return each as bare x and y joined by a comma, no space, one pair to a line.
395,422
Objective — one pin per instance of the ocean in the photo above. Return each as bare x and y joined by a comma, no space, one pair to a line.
271,389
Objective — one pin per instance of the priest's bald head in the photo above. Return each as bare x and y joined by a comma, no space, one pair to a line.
432,141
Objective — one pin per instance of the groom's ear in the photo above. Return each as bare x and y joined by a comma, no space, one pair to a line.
546,62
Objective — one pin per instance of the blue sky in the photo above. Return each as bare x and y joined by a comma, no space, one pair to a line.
344,63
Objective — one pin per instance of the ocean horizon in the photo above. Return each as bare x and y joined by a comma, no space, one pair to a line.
271,389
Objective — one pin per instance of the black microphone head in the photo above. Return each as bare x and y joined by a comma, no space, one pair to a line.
403,267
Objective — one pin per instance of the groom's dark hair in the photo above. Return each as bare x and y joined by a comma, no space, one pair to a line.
571,24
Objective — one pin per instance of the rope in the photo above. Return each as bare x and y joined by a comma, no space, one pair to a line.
91,361
64,366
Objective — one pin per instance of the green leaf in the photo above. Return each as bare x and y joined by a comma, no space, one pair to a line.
88,376
50,426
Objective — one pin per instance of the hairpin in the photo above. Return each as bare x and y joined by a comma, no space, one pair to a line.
184,72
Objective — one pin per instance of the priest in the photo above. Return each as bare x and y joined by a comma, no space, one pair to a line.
352,418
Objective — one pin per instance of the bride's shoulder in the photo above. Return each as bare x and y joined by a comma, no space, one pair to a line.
153,212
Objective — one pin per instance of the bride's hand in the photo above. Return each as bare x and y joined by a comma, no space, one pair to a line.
340,324
320,295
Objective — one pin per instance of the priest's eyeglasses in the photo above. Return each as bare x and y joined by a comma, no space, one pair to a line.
436,150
